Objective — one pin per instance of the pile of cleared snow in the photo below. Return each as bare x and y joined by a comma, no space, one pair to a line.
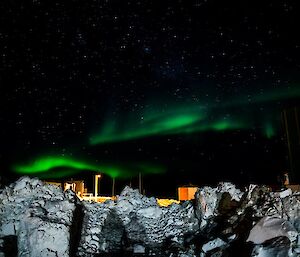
41,220
102,230
213,202
226,212
39,215
135,222
150,225
278,232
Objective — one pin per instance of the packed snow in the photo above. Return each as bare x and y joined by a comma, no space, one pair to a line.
38,219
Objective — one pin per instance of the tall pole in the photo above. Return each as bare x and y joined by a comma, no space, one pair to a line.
289,144
97,177
113,187
140,182
96,186
99,187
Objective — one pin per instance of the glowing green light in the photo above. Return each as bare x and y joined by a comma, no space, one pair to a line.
228,125
180,124
46,163
115,171
160,125
51,166
269,130
151,123
222,125
57,174
177,122
168,119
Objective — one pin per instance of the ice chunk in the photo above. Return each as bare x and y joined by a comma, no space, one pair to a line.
216,243
272,227
279,247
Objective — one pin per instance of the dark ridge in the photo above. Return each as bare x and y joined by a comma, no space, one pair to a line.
114,226
75,230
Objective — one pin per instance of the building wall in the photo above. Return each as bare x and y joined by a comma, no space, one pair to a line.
186,193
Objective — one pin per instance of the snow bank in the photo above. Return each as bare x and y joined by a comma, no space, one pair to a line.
39,220
148,224
39,215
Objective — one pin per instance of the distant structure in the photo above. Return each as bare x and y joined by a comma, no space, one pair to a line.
186,193
291,118
78,186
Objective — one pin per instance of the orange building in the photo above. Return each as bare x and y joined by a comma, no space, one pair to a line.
186,193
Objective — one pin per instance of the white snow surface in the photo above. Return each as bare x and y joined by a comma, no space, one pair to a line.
40,215
208,200
145,221
227,187
271,227
100,231
216,243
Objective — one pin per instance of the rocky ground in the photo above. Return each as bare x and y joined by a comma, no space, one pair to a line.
39,220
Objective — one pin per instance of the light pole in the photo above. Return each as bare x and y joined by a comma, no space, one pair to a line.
113,187
97,177
140,182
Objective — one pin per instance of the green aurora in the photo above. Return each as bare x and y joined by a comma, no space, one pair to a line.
194,118
149,127
269,130
49,162
57,174
164,124
52,166
176,119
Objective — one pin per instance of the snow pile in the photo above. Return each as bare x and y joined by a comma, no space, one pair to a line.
39,220
278,232
214,202
39,215
148,224
271,227
130,201
135,223
102,230
227,215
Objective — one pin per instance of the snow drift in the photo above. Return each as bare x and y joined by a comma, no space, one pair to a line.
37,219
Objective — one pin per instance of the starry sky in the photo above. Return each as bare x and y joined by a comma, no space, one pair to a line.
191,90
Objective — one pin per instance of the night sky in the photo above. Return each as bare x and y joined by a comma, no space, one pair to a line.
181,91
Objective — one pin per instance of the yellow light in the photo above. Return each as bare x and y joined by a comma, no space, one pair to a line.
166,202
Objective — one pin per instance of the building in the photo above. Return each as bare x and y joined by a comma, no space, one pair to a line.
186,193
76,185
